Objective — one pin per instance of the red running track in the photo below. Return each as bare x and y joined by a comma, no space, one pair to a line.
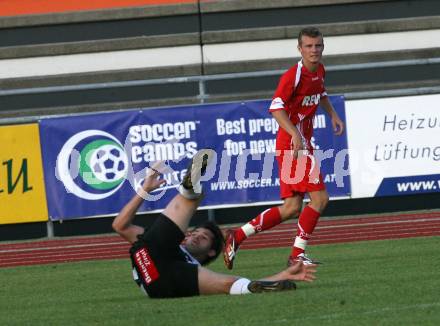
328,231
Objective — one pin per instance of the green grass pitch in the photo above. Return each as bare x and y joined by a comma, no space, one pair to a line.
393,282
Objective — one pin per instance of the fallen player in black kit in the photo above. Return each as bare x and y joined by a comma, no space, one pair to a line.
167,260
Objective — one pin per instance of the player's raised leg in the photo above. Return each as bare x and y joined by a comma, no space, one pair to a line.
183,206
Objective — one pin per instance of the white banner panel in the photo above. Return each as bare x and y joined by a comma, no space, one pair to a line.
394,145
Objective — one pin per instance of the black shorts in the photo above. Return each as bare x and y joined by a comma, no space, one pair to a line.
161,267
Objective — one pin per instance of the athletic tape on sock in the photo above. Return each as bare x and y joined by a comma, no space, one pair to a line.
248,229
300,243
188,193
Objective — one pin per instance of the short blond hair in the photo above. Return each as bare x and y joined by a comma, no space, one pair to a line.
310,32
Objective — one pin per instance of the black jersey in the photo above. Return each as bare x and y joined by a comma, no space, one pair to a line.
161,267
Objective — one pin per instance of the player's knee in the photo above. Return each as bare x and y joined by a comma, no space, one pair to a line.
116,227
289,211
324,201
319,204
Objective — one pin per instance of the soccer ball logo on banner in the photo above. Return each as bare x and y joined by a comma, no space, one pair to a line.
103,164
92,164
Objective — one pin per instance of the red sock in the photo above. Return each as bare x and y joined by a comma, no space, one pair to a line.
306,224
265,220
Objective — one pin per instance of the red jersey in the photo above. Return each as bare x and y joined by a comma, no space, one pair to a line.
298,93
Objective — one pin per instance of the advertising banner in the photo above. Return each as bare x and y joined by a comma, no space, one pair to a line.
245,134
394,145
94,163
22,194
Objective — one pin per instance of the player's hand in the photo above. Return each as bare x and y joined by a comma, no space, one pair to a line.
338,125
301,272
296,144
153,181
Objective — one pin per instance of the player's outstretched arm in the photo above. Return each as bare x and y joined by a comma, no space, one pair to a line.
296,272
122,224
216,283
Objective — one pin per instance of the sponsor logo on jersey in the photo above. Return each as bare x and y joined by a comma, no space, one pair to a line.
311,100
146,266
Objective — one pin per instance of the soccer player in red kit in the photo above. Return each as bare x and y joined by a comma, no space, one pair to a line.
300,91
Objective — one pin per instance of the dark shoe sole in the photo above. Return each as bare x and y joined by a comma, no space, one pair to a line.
187,182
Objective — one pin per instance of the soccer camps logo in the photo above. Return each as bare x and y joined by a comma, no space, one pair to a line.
92,165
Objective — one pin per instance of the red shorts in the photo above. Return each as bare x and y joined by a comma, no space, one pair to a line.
298,176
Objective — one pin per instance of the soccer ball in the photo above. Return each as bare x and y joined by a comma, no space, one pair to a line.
108,163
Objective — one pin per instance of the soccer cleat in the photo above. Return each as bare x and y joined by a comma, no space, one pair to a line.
271,286
303,258
231,248
196,169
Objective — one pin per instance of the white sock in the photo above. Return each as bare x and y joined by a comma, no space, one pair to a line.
240,286
189,193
